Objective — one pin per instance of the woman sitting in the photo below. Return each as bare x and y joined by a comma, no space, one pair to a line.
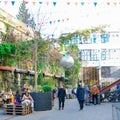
27,99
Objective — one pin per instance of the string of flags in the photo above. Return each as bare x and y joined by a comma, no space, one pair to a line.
48,3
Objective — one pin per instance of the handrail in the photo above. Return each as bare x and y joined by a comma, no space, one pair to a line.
109,86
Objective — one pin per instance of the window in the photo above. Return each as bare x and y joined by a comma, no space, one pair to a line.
103,54
104,38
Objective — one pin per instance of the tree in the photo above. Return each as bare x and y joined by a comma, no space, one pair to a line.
23,14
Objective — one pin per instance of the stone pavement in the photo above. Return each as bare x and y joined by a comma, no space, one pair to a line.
70,112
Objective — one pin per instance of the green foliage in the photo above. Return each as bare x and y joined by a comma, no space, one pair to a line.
46,88
7,49
40,78
69,86
82,33
39,88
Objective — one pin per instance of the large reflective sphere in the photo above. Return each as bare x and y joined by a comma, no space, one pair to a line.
67,61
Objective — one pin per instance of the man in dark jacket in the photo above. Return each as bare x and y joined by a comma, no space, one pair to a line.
80,96
61,97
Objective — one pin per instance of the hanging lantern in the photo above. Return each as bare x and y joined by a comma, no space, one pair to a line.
67,61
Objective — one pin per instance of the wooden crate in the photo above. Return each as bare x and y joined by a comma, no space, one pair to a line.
17,109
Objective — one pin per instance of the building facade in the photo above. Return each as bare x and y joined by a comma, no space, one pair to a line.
100,57
19,29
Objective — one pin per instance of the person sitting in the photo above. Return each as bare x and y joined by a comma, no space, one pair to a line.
27,99
17,99
11,97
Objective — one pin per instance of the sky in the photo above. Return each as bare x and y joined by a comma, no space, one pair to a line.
63,16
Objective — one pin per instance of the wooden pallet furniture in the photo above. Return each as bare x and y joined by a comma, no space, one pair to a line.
1,102
11,109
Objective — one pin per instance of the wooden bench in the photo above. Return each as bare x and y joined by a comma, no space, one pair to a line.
12,109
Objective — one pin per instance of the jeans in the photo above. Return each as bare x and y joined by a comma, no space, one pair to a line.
95,99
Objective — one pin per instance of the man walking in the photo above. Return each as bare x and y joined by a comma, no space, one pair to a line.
61,97
80,95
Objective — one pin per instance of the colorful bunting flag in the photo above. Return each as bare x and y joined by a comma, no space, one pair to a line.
95,4
108,3
5,2
68,3
82,3
54,3
40,2
47,3
13,2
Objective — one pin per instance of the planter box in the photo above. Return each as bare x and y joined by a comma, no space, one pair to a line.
42,101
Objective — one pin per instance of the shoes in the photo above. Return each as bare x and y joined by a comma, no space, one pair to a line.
61,109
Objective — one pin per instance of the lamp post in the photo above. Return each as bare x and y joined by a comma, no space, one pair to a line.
35,60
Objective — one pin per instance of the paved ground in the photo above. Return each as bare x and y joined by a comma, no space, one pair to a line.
71,112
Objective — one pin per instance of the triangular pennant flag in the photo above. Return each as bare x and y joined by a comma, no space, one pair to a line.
47,3
5,2
50,22
26,2
108,3
54,21
68,3
13,2
76,3
63,20
33,3
67,18
52,35
82,3
54,3
95,4
40,2
115,3
58,20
